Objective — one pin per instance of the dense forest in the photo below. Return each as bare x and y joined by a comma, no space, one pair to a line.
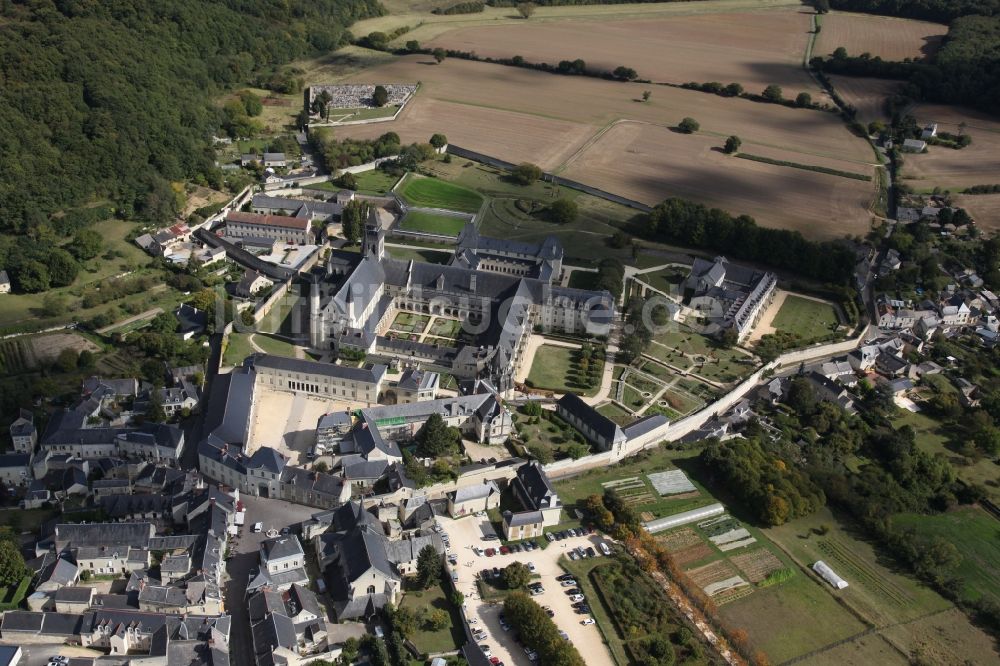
110,101
941,11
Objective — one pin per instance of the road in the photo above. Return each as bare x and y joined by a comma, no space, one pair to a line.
274,514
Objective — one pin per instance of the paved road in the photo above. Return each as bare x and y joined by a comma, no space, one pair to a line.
274,514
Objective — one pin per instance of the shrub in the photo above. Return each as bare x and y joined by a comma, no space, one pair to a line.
689,126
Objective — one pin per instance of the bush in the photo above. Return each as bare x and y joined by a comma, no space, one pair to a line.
563,211
526,173
689,126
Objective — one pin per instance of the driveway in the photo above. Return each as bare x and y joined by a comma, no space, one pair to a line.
468,532
275,514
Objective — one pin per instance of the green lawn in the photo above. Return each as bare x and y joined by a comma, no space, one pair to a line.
238,347
583,280
273,345
616,413
426,639
446,328
551,434
976,535
555,369
436,193
808,319
419,255
375,181
432,223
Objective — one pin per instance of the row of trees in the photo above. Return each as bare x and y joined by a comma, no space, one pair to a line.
692,224
772,94
539,632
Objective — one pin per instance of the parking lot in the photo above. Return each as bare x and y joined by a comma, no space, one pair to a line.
467,533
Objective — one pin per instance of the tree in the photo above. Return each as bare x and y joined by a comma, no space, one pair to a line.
689,126
563,211
624,73
12,568
63,268
413,46
526,9
428,566
381,96
86,360
456,598
85,575
526,173
646,94
801,396
439,140
321,467
86,244
773,93
803,99
252,104
439,55
435,438
733,90
438,619
733,144
67,360
353,218
515,575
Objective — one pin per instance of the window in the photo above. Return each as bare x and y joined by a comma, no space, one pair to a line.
371,589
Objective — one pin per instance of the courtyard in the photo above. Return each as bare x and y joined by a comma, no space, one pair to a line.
287,422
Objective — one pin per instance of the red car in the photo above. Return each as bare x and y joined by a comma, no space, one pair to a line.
490,552
495,661
504,550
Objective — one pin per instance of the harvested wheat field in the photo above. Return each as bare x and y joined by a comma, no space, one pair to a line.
651,163
592,102
868,96
940,166
755,49
984,209
883,36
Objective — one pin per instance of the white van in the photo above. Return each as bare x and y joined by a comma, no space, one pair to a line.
604,548
257,527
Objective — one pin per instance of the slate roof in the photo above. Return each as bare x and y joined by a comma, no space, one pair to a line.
24,425
228,410
523,518
136,535
280,221
281,547
190,319
477,491
12,460
537,485
371,373
17,620
645,426
267,459
601,424
74,594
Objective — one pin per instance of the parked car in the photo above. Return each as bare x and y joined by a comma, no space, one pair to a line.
504,550
569,582
576,597
591,552
257,527
549,537
573,556
516,548
496,572
531,567
566,576
490,537
573,590
490,552
564,635
589,620
285,531
604,548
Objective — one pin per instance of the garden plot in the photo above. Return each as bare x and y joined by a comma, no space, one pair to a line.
726,533
671,482
718,579
406,322
758,565
633,491
855,569
445,328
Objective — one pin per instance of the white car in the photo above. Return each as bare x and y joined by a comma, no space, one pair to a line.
589,620
257,527
604,548
568,583
576,597
531,567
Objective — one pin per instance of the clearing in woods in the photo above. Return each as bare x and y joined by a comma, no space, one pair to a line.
675,50
950,169
663,163
882,36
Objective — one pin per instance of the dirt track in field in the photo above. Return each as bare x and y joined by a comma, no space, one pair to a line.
651,163
755,49
883,36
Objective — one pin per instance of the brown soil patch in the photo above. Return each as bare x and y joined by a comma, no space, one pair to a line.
984,209
868,96
711,573
976,164
679,539
202,196
48,347
652,163
883,36
692,554
757,564
755,49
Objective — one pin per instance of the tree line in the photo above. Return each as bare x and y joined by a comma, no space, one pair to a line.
940,11
694,225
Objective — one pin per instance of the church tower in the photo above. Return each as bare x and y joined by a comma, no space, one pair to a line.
374,241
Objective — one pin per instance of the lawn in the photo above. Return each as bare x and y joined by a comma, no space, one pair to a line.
375,181
238,347
551,434
932,437
583,280
273,345
976,535
435,193
446,328
808,319
428,640
419,255
432,223
616,413
555,369
880,595
409,322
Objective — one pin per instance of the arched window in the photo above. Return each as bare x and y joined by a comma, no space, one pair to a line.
371,589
